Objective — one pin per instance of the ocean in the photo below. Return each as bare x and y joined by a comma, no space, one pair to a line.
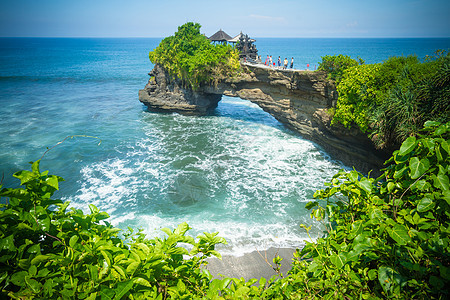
237,171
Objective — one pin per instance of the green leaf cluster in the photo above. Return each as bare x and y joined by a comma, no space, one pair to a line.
48,251
386,237
358,90
392,100
335,65
189,56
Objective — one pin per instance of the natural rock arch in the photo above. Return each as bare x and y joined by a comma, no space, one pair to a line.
298,99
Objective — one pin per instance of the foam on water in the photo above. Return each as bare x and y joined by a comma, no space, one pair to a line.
238,172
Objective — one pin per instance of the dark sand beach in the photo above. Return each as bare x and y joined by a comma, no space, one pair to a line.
251,265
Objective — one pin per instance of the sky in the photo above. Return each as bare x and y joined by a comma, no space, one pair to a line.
257,18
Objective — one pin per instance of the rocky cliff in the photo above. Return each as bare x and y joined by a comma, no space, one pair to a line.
298,99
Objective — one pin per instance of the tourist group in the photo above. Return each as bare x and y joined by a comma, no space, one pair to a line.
270,63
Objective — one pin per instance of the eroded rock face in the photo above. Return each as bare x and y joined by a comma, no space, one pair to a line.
298,99
163,93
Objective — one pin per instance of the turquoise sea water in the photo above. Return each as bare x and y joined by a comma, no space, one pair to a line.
237,171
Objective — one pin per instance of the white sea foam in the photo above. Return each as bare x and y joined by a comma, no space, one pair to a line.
237,171
242,237
244,176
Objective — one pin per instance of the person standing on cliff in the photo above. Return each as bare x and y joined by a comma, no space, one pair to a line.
292,63
285,63
270,61
279,61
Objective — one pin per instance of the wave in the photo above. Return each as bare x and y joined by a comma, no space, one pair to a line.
247,179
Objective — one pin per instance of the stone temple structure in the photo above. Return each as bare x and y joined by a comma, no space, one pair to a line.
246,47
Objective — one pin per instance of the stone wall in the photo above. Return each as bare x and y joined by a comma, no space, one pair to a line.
298,99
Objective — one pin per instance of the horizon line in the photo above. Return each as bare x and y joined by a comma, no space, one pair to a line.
260,37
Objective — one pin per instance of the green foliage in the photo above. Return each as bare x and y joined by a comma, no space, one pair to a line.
387,237
49,252
434,90
391,101
335,65
189,56
358,91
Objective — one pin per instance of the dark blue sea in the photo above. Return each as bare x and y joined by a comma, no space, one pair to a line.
237,171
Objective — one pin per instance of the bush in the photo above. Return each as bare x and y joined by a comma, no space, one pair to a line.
189,56
391,101
335,65
49,252
386,238
358,92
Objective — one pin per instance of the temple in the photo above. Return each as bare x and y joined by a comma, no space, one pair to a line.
247,50
246,47
220,36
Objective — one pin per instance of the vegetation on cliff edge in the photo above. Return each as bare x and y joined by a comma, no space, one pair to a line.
390,101
386,238
189,56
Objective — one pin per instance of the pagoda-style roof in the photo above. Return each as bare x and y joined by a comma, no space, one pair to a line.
238,37
220,36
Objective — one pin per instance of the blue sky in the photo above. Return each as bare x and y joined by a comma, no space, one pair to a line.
275,18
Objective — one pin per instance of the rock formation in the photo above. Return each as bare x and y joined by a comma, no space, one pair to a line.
298,99
163,93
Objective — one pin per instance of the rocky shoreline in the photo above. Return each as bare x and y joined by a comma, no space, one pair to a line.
298,99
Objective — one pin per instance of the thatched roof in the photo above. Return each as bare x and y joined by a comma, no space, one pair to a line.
236,38
220,36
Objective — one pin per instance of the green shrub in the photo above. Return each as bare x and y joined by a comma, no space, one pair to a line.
189,56
358,92
386,238
50,252
391,101
335,65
